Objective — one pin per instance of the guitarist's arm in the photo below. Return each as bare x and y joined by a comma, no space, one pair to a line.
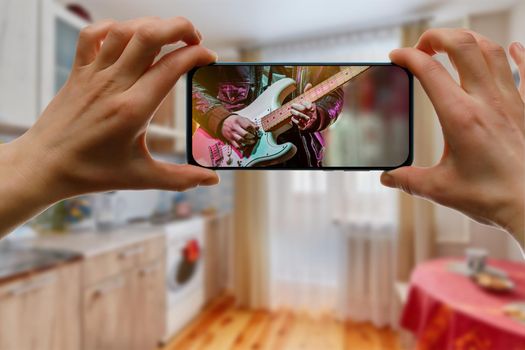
330,106
217,120
208,111
320,115
328,109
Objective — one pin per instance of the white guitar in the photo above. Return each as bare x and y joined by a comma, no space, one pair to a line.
272,118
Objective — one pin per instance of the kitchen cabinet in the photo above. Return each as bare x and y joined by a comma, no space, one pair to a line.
37,47
108,314
123,306
167,131
218,238
18,62
150,308
41,312
58,34
163,120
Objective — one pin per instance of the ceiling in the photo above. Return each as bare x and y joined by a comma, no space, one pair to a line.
252,22
248,23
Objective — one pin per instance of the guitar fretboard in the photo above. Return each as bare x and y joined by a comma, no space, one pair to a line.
283,114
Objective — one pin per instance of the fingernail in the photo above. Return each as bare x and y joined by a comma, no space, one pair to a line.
214,54
210,182
387,179
519,46
199,35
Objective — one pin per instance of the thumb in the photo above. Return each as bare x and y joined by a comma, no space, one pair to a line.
517,51
179,177
410,179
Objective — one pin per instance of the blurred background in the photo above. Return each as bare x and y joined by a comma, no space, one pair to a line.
273,260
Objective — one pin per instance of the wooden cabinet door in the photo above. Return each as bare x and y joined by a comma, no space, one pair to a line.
109,313
41,312
18,62
218,231
150,298
164,116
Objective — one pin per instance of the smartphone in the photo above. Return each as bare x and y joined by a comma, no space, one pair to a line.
325,116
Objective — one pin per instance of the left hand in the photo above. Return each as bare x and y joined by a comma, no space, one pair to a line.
304,113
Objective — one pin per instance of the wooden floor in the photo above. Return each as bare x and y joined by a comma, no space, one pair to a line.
222,326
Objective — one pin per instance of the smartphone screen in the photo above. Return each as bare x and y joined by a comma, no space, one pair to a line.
300,116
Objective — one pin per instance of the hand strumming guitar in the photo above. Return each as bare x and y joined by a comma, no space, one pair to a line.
239,131
304,113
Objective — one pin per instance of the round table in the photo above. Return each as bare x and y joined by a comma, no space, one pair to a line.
446,310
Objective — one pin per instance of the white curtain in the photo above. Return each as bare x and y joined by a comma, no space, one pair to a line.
333,234
332,244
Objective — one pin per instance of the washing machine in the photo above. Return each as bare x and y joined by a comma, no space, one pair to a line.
184,273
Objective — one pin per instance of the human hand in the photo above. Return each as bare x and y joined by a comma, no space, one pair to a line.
91,137
304,113
482,170
239,131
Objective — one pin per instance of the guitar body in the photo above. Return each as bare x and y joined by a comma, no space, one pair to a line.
212,152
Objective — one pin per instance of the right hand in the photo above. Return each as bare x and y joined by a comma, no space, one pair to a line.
239,131
482,170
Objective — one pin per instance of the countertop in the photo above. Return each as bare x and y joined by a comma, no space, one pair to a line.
89,243
46,251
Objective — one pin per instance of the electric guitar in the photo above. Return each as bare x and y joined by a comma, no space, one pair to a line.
272,119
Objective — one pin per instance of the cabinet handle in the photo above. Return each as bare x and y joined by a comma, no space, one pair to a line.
31,286
109,286
131,252
149,270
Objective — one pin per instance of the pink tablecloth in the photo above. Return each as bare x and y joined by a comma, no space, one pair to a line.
446,310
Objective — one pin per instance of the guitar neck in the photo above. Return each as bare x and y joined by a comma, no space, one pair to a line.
282,115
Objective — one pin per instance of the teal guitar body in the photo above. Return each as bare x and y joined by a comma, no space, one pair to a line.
209,151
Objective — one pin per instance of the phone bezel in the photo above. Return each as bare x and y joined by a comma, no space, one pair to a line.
407,162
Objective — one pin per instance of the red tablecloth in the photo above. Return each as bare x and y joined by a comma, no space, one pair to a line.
446,310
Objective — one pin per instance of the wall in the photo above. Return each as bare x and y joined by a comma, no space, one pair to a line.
517,23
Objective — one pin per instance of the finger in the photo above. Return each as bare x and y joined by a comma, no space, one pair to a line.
309,105
435,79
299,123
298,106
149,38
410,179
497,61
241,140
517,52
238,138
464,51
307,87
248,125
299,114
161,78
177,177
244,133
89,41
117,39
235,144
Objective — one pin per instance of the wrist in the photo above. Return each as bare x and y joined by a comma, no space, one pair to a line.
221,126
33,177
512,218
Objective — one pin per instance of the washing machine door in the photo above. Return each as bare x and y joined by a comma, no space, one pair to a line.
185,268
